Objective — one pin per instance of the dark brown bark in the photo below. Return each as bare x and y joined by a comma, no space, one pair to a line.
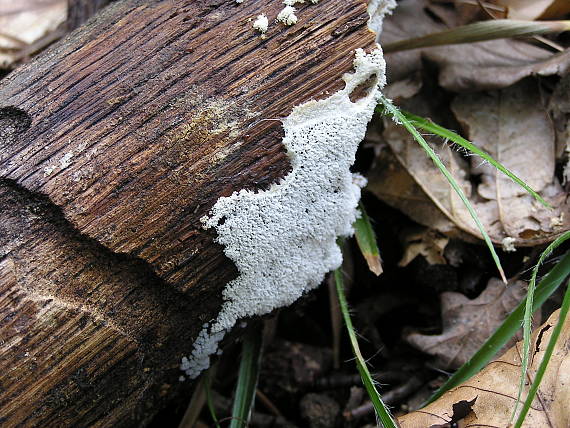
79,11
113,144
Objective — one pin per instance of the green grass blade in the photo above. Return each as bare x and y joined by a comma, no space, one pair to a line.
527,323
546,358
209,375
507,329
430,126
366,239
247,379
382,411
399,118
478,32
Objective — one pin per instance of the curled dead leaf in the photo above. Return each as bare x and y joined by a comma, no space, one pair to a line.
425,242
468,323
512,126
495,388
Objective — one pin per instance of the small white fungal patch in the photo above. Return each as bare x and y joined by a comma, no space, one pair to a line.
287,16
239,1
292,2
556,222
377,10
508,244
65,161
359,180
48,170
261,23
283,240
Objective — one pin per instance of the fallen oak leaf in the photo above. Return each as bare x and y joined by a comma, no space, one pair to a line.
495,388
468,323
460,411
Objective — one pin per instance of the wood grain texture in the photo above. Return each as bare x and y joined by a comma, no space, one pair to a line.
113,144
79,11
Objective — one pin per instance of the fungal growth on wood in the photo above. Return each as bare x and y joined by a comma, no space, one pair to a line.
261,23
153,116
283,240
287,15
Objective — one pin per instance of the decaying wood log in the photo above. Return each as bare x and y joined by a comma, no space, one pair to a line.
79,11
113,145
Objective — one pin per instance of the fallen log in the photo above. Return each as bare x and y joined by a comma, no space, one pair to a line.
114,144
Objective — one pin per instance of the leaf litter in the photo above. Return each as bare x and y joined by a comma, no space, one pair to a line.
534,9
468,323
515,129
495,388
491,92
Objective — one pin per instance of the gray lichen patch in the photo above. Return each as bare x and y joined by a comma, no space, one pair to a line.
283,240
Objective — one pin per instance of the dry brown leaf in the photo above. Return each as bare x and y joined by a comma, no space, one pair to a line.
495,388
408,20
535,9
393,184
24,22
11,7
513,128
469,67
493,64
468,323
425,242
431,182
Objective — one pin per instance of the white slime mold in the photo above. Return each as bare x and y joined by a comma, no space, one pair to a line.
287,16
378,9
283,240
261,23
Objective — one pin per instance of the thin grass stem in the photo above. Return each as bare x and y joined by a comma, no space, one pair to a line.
400,118
546,358
527,322
209,402
247,378
382,412
507,329
478,32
